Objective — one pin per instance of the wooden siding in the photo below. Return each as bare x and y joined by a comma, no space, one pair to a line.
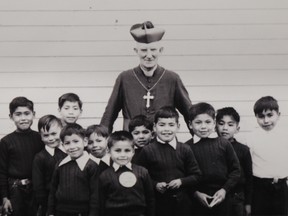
228,53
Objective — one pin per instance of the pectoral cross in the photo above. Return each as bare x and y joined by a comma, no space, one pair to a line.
148,97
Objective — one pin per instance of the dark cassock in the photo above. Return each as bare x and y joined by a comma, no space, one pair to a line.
136,93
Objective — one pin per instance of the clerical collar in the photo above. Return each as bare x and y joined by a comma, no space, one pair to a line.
117,166
81,161
172,143
50,150
149,73
105,159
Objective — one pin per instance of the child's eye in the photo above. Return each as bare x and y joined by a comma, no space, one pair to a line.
90,142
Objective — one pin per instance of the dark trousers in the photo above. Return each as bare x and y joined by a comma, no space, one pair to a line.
236,206
133,211
269,198
21,198
58,213
173,205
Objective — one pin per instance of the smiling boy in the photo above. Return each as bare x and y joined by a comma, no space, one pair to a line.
171,164
17,151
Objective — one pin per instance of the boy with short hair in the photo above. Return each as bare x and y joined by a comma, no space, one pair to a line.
97,136
227,125
17,151
69,107
74,183
49,127
217,160
171,164
141,129
269,149
125,188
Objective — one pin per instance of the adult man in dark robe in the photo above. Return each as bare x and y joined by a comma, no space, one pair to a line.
147,87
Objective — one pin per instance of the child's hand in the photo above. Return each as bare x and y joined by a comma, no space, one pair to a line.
161,187
218,197
248,210
203,198
174,184
7,206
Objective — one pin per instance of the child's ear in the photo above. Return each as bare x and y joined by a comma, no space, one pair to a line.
85,141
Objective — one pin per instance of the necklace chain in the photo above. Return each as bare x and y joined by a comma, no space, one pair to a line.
148,90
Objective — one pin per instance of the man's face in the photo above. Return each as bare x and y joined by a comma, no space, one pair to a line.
148,54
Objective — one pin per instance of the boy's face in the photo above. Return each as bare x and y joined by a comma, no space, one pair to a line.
148,54
227,127
166,129
203,125
122,152
267,120
51,137
74,146
70,112
97,145
23,118
141,135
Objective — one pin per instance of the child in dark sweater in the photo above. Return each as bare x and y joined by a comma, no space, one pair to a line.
141,129
227,125
171,164
125,188
17,151
217,160
49,127
97,136
74,182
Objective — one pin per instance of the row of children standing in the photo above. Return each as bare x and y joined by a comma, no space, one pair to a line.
160,175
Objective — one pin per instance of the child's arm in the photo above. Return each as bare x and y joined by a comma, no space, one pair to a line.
52,198
247,169
94,176
233,166
149,195
4,163
192,170
38,179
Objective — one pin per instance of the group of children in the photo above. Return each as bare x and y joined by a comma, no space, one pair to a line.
66,170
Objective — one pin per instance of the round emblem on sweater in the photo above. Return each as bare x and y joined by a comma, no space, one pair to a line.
127,179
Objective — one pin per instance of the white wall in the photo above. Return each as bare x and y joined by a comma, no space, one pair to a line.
228,53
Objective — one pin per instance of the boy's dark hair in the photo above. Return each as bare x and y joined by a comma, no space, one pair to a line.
227,111
100,130
166,112
46,121
71,129
69,97
201,108
20,102
119,136
140,120
265,103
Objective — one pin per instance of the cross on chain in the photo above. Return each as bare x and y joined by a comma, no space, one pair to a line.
148,97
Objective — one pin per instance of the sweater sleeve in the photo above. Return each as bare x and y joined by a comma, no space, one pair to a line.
149,194
4,160
51,208
192,169
94,205
233,166
247,169
114,105
38,179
